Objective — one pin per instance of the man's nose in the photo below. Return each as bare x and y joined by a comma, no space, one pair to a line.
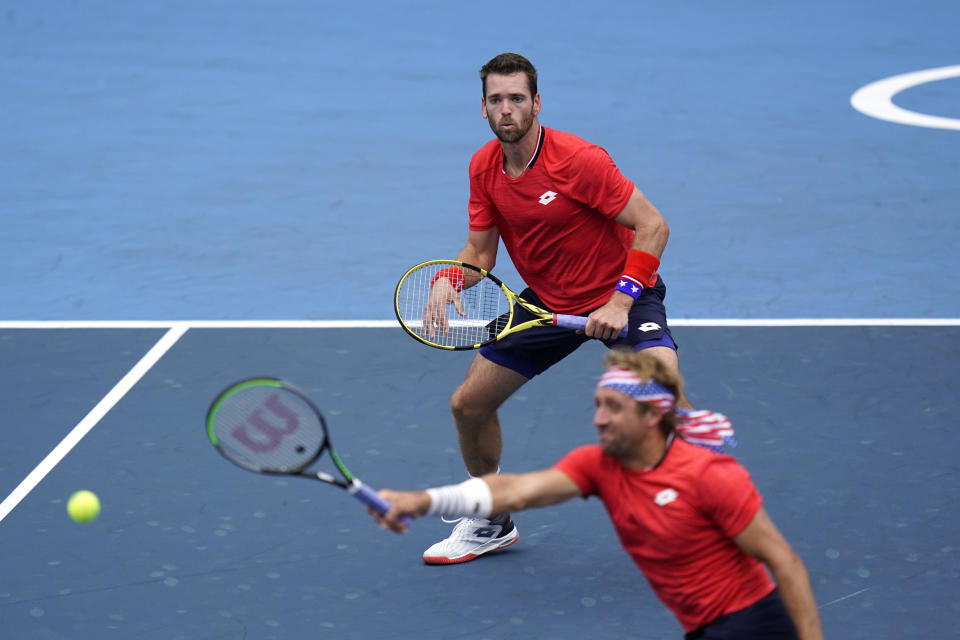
599,420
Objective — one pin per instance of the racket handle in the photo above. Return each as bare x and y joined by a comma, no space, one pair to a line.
371,498
576,322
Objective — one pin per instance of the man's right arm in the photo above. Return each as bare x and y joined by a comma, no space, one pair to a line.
508,493
481,248
480,251
515,492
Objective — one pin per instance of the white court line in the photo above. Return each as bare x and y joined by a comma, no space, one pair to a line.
832,602
393,324
89,422
816,322
198,324
176,329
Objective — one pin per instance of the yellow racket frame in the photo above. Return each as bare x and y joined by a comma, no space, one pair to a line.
543,317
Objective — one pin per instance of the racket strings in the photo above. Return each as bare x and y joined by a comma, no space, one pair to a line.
486,309
267,429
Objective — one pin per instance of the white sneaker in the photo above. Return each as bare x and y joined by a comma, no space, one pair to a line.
471,538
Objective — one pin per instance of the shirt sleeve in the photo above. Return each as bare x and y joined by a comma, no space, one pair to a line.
729,496
581,465
594,179
480,207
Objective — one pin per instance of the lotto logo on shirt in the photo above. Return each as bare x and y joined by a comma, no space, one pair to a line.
547,197
665,497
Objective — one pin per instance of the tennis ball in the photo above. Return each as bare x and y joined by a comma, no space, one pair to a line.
83,506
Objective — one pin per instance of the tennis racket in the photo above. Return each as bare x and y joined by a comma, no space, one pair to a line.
269,426
449,304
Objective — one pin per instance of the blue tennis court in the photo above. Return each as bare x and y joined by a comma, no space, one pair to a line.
196,193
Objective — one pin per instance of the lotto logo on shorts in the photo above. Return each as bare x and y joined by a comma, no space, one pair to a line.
547,197
665,497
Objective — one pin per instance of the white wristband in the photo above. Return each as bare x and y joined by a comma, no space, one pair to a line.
470,498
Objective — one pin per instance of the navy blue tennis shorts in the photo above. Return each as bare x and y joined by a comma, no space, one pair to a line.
766,619
535,350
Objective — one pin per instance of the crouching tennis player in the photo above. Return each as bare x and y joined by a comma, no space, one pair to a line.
690,518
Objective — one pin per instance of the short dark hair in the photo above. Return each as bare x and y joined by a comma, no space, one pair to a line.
507,64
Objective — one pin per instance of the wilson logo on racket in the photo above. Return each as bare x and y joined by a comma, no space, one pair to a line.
266,436
249,420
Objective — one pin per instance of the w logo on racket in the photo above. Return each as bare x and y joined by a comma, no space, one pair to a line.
268,410
266,437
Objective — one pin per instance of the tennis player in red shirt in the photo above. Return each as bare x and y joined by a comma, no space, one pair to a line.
585,241
691,519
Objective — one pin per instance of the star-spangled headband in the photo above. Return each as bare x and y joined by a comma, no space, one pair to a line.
641,390
707,429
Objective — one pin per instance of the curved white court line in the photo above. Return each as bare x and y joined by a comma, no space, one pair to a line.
876,98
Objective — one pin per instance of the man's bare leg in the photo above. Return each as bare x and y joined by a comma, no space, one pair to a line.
474,406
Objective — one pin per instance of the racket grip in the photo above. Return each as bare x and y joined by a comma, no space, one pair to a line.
371,498
577,322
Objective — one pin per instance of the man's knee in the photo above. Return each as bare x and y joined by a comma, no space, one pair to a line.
666,355
466,407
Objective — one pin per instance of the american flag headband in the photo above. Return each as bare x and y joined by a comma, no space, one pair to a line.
641,390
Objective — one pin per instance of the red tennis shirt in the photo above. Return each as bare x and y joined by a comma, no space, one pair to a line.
677,521
557,218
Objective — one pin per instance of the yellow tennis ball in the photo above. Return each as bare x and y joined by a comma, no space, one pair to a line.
83,506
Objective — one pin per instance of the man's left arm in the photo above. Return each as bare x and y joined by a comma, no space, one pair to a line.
650,229
762,540
650,234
